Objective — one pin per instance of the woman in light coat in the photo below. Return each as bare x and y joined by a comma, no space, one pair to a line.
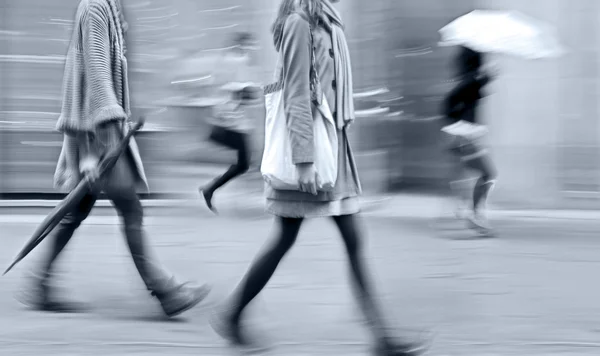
292,39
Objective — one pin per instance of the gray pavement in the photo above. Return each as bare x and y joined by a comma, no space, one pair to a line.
531,291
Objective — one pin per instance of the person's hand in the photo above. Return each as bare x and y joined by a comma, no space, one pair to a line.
307,178
89,169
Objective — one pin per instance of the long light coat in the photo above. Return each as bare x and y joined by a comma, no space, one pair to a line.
95,86
295,49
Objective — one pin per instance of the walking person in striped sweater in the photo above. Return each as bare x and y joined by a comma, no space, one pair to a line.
94,118
232,126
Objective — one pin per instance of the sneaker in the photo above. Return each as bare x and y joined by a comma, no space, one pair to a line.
479,223
391,348
182,299
227,329
39,296
207,195
231,332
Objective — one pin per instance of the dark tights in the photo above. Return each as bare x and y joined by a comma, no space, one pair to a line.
237,141
264,266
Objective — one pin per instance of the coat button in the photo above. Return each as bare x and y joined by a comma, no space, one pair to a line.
334,84
331,52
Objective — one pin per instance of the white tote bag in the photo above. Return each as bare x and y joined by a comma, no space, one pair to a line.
277,168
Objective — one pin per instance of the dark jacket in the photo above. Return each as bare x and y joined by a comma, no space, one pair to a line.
461,102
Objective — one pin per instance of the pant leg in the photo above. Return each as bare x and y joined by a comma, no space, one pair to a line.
63,233
156,278
120,187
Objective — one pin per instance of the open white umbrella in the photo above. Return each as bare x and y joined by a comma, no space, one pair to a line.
507,32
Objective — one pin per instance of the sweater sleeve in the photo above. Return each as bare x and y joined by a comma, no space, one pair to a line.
97,55
295,51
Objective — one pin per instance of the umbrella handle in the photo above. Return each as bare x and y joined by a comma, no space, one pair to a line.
138,125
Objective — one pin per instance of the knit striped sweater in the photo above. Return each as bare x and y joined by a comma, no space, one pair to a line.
95,86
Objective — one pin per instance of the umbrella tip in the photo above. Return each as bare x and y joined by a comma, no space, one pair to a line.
8,269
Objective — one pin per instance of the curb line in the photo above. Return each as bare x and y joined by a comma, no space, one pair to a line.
374,206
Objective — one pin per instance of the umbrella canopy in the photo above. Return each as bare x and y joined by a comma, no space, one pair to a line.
510,33
74,197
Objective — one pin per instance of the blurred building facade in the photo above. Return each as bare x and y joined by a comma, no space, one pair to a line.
543,115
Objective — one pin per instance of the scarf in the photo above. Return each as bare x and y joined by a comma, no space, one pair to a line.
332,21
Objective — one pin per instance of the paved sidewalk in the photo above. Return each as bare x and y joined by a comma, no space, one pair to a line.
483,297
239,200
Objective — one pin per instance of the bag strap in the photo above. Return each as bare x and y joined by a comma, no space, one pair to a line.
316,92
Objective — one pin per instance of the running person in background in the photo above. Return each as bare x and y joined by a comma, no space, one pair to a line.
460,109
231,125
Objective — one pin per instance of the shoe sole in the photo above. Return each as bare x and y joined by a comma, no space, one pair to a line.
484,230
209,205
41,308
414,351
218,326
205,292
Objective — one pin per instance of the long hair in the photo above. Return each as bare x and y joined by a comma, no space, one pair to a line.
468,61
313,8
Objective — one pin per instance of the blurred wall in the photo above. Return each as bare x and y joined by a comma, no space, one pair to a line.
544,114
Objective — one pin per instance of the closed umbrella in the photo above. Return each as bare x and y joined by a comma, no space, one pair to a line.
74,197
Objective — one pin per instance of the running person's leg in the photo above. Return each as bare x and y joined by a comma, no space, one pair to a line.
239,142
227,322
458,182
348,227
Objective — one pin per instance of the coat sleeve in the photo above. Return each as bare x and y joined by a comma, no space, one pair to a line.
97,55
454,104
295,49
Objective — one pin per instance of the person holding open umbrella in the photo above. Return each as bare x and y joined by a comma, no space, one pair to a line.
94,119
479,33
460,109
